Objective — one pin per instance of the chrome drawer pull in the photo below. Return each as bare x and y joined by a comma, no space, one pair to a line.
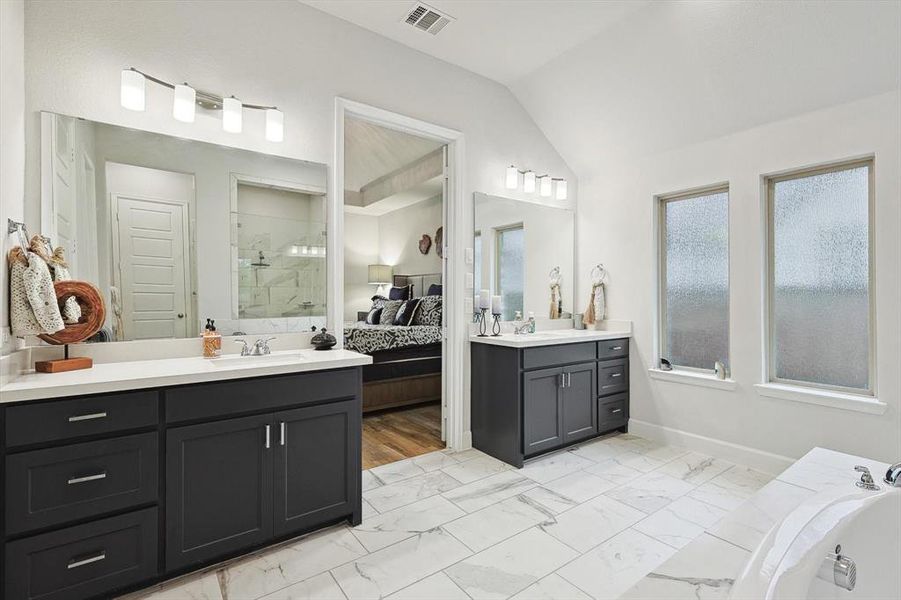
282,434
74,564
616,410
616,347
86,478
90,417
616,375
268,429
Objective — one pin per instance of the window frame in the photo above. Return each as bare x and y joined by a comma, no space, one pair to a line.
662,200
498,233
769,188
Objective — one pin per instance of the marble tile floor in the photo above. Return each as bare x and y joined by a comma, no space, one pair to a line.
619,516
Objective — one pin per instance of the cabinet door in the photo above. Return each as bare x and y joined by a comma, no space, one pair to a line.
218,488
317,464
542,410
580,403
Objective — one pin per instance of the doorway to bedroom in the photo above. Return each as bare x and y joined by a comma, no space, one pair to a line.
394,205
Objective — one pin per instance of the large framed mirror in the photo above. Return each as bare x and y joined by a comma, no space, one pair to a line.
175,231
520,251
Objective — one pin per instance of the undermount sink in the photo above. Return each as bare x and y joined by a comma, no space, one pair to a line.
230,360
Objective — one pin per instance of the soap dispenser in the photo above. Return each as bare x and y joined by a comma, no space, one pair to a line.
212,340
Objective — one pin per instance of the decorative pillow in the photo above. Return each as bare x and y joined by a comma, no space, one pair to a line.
389,311
400,293
435,290
372,317
407,312
429,311
378,301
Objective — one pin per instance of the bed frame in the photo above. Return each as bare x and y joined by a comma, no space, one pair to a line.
404,376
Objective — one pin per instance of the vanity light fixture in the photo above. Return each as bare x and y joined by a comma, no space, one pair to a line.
232,115
528,182
512,177
545,187
545,183
561,189
186,99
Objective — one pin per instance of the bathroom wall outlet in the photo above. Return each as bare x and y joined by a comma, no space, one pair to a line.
467,256
469,282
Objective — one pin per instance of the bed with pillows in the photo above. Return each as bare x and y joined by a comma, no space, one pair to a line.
403,333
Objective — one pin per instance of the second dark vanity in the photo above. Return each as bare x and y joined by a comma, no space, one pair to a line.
530,400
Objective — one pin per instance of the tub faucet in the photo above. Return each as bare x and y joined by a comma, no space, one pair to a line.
866,479
893,475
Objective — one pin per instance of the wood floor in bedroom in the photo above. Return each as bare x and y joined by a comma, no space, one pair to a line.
393,435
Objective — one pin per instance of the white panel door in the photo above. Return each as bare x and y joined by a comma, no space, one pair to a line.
153,251
65,209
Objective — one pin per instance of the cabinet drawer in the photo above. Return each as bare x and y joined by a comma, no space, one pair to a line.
83,561
56,485
563,354
613,348
613,376
253,395
67,419
613,411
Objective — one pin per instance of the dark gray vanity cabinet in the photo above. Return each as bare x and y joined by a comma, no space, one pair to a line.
108,493
218,488
527,401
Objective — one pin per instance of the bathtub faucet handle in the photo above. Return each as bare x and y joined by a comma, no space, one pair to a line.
866,479
893,475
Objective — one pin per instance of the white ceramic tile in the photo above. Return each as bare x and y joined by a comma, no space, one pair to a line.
569,491
511,566
747,525
397,471
730,489
651,492
552,587
399,524
435,587
395,567
614,471
389,497
616,565
589,524
599,450
321,587
475,469
655,450
680,522
498,522
368,511
464,455
203,587
554,466
703,570
695,468
485,492
274,569
370,481
434,460
821,468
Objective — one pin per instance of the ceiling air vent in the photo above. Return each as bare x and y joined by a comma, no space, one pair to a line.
425,18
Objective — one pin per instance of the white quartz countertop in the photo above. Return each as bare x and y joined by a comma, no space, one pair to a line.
551,337
112,377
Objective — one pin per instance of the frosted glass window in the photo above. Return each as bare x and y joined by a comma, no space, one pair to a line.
820,278
695,280
511,270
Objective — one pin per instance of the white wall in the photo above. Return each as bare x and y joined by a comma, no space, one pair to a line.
399,234
361,249
12,135
622,213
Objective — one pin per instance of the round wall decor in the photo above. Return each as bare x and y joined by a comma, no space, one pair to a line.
425,243
439,242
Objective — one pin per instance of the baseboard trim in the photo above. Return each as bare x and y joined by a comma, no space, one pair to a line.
467,440
752,457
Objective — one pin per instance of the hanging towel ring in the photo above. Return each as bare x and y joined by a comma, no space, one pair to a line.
598,274
554,275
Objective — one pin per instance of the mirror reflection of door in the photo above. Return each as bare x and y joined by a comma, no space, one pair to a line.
151,249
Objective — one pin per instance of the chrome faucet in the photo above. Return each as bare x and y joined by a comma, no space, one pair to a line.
259,348
866,479
893,475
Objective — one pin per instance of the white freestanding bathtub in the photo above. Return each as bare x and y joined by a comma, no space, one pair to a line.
792,562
